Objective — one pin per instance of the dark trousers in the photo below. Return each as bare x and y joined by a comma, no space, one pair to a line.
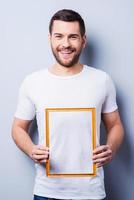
44,198
40,198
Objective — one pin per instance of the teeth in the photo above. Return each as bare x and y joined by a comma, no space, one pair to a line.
66,52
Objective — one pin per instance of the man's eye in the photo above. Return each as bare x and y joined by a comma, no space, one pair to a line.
58,36
74,37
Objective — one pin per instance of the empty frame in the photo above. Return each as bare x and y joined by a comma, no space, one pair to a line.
71,138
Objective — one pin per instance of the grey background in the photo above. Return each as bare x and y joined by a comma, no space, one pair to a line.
24,48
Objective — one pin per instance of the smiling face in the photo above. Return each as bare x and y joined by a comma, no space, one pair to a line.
66,42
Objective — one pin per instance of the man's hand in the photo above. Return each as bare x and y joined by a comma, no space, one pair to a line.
39,154
102,155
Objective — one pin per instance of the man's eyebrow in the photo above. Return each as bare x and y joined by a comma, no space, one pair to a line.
70,35
74,34
57,34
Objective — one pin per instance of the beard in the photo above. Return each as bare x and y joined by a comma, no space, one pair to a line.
68,62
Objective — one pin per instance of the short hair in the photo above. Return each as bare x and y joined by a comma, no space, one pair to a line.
68,16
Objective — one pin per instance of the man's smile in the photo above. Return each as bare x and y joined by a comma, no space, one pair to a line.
66,53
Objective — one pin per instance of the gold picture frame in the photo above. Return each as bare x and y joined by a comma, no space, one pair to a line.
49,111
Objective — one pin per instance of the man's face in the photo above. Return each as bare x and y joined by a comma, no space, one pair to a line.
66,42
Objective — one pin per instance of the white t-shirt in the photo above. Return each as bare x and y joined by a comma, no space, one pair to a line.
90,88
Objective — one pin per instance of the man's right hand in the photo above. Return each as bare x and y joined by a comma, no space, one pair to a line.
39,154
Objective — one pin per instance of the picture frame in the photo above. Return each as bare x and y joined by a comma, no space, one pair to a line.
87,115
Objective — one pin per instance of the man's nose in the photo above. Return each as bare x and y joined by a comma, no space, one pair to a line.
66,42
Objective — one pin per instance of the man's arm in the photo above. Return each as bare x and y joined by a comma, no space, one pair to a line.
104,154
38,153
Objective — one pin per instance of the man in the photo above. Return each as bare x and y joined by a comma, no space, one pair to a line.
67,84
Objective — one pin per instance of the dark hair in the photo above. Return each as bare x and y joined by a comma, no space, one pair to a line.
68,16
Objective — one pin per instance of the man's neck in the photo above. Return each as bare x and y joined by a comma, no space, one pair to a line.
66,71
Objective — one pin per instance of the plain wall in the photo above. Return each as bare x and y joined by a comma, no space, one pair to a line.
24,48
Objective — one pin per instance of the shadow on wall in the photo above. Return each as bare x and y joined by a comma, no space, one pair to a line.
119,171
88,56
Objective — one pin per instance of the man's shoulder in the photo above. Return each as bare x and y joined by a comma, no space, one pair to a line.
98,73
35,76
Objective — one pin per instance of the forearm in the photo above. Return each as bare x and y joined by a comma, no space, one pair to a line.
114,137
104,153
38,153
22,140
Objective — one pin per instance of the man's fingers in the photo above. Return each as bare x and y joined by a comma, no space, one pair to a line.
102,154
39,150
102,160
38,157
40,153
100,149
41,161
41,147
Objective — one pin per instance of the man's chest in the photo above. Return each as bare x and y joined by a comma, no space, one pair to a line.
68,95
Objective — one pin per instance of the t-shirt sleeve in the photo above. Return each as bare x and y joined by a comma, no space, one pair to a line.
110,103
25,107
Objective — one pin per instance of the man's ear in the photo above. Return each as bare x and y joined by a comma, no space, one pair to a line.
84,41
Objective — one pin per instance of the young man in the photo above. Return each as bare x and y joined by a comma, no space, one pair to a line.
67,84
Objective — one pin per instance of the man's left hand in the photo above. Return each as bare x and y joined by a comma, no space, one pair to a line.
102,155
